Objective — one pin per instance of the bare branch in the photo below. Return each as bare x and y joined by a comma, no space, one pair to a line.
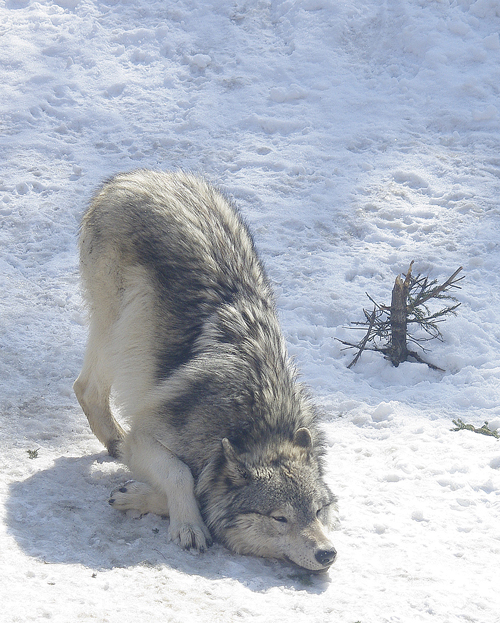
364,341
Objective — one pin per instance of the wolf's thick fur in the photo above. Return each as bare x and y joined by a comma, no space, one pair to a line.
184,332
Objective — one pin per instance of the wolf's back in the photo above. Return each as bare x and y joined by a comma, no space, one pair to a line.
182,229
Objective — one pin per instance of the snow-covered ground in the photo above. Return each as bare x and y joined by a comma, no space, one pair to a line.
355,136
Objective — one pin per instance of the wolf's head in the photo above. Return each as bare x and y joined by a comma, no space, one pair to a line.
273,503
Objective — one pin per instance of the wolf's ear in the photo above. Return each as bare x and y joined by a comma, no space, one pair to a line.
229,451
236,471
303,439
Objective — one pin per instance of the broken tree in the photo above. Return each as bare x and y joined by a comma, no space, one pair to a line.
388,327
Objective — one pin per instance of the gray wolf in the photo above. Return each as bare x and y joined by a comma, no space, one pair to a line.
184,337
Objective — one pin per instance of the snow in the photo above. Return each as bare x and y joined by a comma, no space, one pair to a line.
355,136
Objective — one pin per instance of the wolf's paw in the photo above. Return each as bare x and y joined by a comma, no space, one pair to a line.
131,496
190,535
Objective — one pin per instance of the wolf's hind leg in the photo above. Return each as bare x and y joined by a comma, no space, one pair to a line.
93,388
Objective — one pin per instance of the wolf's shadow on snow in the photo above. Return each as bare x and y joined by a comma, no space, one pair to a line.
61,515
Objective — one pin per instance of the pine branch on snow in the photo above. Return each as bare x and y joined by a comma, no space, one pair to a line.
483,430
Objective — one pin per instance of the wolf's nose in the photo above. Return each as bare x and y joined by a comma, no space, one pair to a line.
326,556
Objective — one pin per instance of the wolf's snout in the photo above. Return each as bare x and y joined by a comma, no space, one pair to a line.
326,556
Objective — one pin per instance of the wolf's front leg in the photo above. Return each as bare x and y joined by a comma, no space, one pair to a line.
168,476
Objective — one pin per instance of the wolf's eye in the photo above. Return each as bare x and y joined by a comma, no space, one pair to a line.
280,518
323,508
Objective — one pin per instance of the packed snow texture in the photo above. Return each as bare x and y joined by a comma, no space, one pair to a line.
355,136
